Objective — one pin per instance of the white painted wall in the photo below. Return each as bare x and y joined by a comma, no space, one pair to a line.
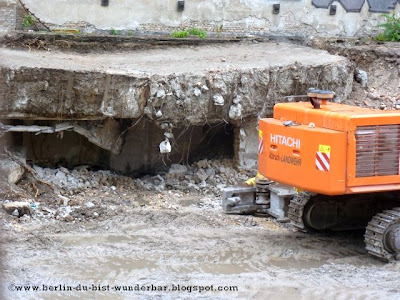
242,16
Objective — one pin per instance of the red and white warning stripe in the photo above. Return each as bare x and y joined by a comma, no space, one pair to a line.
260,146
323,161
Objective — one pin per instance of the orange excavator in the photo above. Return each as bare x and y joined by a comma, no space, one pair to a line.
328,166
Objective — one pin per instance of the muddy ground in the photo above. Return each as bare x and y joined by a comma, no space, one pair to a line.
129,235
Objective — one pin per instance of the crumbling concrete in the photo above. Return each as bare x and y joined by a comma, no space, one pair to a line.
169,91
106,135
45,85
246,144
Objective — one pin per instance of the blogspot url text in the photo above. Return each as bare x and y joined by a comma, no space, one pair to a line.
121,288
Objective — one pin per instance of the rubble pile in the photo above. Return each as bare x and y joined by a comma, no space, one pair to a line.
81,178
204,176
381,100
82,193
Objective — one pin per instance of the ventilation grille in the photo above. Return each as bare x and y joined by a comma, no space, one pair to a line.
377,150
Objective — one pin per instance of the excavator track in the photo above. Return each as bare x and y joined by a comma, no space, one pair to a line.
296,210
382,235
379,236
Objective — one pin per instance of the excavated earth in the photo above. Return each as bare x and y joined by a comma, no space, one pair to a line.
88,227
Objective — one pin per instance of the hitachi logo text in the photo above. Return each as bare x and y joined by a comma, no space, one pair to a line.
285,140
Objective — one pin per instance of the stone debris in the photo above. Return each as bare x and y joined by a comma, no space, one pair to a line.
235,111
89,204
11,170
161,93
169,135
205,175
159,114
148,112
218,100
361,77
17,208
176,172
237,99
380,100
65,200
78,179
204,88
197,92
200,176
83,194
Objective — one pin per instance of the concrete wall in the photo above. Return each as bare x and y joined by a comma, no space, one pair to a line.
246,144
305,17
7,15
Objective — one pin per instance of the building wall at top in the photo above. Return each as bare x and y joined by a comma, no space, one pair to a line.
7,15
295,17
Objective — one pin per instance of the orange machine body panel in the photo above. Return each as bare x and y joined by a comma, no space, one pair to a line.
345,152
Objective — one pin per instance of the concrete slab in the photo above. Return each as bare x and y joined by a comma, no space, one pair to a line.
175,83
173,60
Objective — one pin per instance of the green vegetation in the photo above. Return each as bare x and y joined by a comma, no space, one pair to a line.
115,31
180,34
131,32
220,28
28,21
391,32
201,33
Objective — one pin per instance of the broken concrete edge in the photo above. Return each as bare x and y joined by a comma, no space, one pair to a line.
105,102
146,38
16,38
108,136
74,41
96,42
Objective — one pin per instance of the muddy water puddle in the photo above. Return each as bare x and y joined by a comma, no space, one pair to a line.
142,254
190,201
80,240
127,260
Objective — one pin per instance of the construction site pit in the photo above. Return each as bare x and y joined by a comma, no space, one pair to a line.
114,155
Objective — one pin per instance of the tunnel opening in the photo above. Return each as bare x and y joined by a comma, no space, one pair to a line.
66,149
209,141
140,153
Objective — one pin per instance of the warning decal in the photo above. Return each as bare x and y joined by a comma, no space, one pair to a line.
260,142
323,161
324,149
